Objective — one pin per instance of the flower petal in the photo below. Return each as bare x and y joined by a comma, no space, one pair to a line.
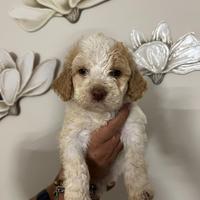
25,65
3,114
184,52
6,60
74,3
90,3
3,107
185,69
152,56
9,85
186,41
162,33
41,80
61,6
32,3
30,18
137,39
184,57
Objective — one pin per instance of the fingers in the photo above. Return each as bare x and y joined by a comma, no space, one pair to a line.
111,144
112,148
108,151
114,125
116,151
117,122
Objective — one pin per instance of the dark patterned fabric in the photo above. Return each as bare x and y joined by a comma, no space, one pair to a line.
43,195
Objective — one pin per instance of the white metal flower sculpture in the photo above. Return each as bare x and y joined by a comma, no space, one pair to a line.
158,56
22,79
36,13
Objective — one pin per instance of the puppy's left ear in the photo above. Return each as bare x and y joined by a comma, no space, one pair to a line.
63,84
137,85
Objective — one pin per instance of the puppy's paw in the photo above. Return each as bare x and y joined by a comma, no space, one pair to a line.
145,194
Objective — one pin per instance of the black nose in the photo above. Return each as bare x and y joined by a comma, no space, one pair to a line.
98,93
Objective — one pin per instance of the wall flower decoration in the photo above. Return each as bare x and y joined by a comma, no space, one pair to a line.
36,13
22,79
159,55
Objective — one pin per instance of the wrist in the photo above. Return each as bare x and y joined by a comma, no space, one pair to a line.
50,189
59,190
93,191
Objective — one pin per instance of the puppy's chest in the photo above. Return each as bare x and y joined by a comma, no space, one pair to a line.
82,123
88,120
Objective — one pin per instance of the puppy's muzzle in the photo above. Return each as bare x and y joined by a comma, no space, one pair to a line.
98,93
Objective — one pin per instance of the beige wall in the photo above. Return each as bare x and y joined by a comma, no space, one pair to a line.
28,145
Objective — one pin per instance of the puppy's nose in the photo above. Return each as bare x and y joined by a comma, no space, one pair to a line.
98,93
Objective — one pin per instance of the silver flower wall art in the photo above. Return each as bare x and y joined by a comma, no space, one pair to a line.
158,55
22,79
36,13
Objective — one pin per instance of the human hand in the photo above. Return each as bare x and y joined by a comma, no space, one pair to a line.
103,149
105,145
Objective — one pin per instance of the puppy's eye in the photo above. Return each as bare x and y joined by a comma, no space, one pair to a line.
83,71
115,73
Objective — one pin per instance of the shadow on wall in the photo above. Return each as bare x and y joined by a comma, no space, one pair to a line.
37,168
173,129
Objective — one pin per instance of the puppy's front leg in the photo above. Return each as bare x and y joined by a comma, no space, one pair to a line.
135,171
76,175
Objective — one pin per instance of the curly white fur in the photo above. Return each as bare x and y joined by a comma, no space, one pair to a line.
100,54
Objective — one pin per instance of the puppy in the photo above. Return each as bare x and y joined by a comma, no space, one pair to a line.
99,76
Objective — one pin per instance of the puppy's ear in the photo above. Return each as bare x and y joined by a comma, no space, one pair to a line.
137,85
63,84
